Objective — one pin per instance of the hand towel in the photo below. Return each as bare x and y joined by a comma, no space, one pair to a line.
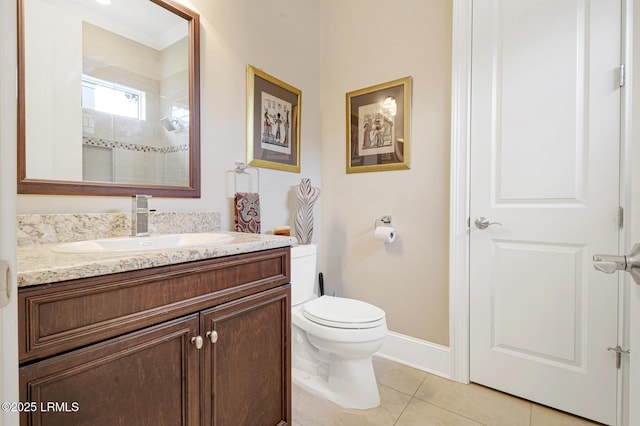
247,212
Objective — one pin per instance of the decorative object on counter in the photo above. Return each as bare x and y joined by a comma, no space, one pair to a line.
282,230
247,212
246,205
378,127
307,196
273,122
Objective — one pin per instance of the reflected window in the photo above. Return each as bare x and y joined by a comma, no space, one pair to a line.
180,112
112,98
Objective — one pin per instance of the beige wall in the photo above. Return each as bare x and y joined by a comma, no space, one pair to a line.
327,48
283,39
366,42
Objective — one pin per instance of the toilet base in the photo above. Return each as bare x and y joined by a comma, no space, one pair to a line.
350,384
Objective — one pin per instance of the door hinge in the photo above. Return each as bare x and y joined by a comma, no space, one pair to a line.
620,217
619,351
622,76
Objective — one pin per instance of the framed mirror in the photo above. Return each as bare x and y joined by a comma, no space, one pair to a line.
108,98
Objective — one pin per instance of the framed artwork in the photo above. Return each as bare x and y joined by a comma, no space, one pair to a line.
378,126
273,122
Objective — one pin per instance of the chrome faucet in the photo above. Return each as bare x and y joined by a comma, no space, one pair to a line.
140,215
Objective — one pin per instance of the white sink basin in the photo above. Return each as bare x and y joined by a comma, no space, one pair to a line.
142,244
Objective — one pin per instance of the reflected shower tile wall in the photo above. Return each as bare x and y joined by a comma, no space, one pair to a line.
173,166
135,163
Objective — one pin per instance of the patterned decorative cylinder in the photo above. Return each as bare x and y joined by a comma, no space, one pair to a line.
307,196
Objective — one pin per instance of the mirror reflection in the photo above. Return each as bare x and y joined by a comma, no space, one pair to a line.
106,92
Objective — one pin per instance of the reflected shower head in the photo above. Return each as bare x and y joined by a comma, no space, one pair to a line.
167,124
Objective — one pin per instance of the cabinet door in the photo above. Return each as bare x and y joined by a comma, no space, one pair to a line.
150,377
248,369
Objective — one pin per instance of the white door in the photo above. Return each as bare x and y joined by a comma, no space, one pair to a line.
8,144
545,126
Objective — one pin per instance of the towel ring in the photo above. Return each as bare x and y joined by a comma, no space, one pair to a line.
240,167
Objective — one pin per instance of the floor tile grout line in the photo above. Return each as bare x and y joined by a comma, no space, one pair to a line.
411,396
530,413
411,399
424,379
402,412
471,418
453,412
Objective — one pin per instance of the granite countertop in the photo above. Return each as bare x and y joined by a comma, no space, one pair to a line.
38,264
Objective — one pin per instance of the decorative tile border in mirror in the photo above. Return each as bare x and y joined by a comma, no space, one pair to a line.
105,143
60,228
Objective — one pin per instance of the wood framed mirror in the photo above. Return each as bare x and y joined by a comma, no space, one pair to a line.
108,98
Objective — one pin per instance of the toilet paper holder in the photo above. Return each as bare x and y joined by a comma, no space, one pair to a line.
385,220
383,231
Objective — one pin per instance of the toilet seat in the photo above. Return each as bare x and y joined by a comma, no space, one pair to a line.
341,312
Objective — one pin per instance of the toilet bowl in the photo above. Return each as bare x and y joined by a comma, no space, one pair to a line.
333,339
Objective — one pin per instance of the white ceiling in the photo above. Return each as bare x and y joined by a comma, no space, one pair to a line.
139,20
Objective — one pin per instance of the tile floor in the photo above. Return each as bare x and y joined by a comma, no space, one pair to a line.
411,397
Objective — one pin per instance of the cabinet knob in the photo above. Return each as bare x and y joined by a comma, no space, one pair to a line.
213,336
197,342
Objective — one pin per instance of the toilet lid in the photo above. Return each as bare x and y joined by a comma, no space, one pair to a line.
341,312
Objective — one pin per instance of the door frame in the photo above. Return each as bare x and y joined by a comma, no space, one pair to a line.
459,241
631,132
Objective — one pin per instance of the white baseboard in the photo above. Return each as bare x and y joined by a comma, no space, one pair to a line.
420,354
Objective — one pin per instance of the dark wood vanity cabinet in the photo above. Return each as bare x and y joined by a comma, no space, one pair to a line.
211,346
142,378
244,378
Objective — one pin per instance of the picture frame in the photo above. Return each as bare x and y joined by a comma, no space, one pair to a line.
273,122
378,127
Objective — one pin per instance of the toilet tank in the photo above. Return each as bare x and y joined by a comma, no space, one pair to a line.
303,273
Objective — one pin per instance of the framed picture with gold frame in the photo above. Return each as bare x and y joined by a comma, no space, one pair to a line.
273,122
378,127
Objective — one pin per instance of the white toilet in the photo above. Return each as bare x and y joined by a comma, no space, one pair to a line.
333,339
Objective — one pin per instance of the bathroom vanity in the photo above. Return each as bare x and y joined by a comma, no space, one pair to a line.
199,342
